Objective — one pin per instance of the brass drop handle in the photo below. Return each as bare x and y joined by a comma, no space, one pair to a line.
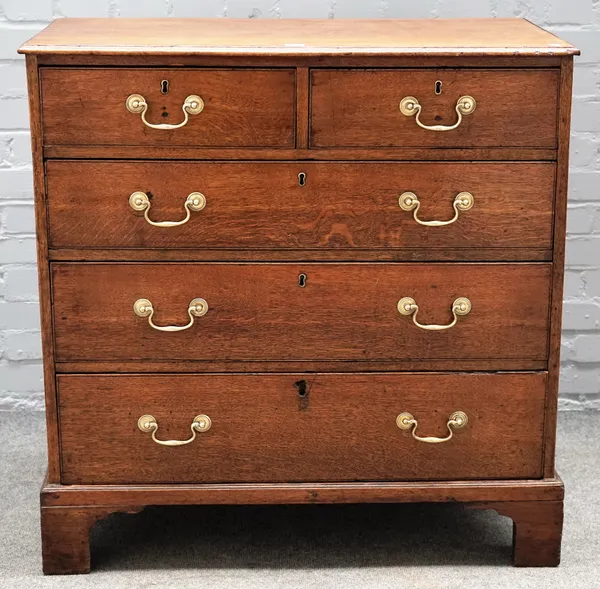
457,420
148,424
409,201
144,308
192,105
408,306
195,201
465,105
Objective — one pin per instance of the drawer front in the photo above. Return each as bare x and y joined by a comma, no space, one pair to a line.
303,312
242,108
265,205
360,108
297,427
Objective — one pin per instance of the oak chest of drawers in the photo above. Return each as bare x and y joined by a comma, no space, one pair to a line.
300,262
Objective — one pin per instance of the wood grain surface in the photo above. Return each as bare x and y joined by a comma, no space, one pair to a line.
558,274
360,108
243,107
66,536
345,206
124,366
166,152
303,383
308,60
43,267
298,427
546,489
257,37
512,254
537,530
259,311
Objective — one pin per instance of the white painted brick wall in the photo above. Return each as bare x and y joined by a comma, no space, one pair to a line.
577,21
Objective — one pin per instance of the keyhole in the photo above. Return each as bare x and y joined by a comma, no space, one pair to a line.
164,86
438,87
302,179
301,384
302,280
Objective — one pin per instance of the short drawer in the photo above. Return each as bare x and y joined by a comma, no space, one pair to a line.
238,107
287,312
297,427
361,108
313,206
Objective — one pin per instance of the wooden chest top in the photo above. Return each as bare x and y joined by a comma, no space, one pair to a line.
439,37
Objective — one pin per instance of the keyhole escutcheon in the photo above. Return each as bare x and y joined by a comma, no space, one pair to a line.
302,280
438,87
302,179
164,86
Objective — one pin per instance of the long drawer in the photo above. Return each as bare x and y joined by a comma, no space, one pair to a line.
204,107
362,108
287,312
298,427
300,205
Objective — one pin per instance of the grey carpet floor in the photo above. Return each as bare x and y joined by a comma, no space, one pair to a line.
349,547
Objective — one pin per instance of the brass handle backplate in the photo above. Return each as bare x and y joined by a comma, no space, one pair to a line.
457,420
144,308
192,105
408,306
409,106
195,201
148,424
409,201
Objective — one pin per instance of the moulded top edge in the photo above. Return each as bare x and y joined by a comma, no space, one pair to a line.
296,37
